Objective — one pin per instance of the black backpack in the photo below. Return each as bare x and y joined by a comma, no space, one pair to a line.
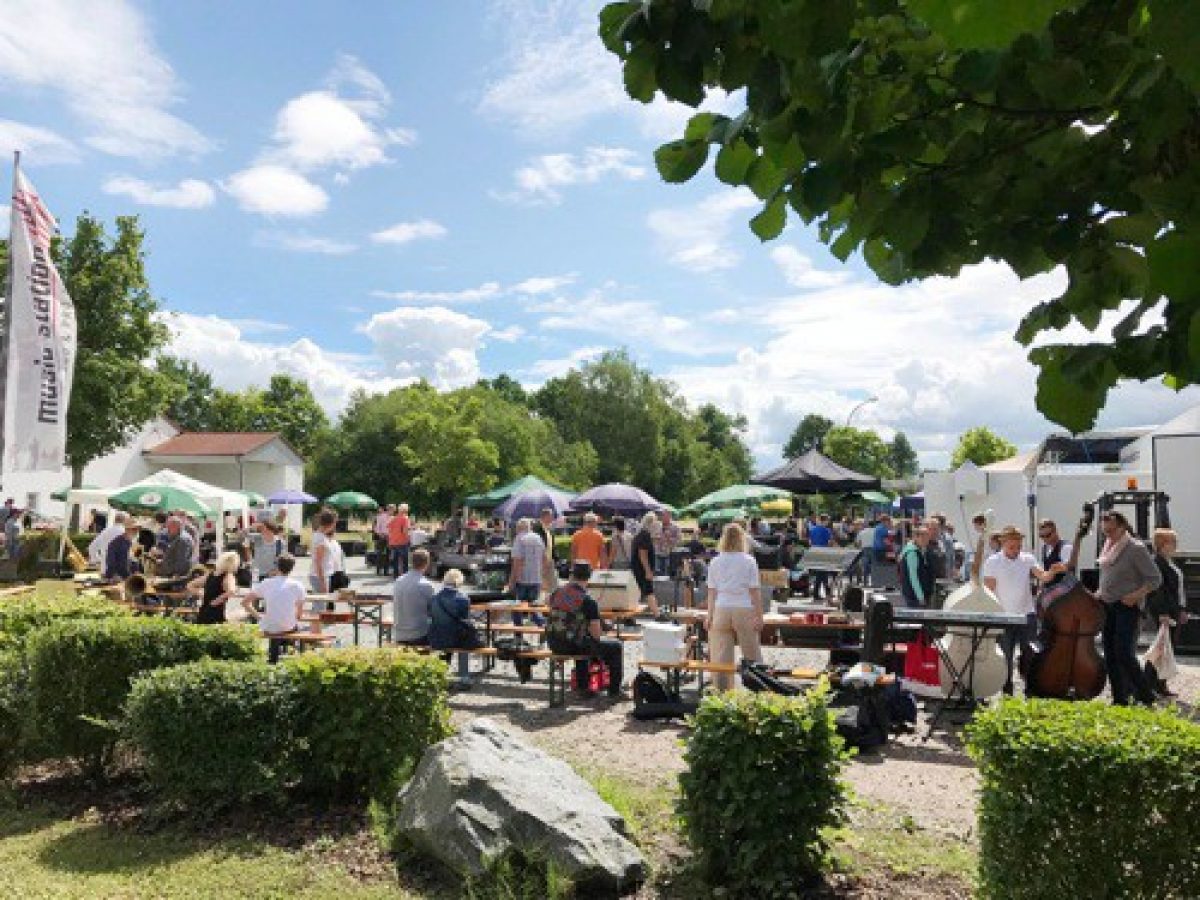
652,700
862,717
757,677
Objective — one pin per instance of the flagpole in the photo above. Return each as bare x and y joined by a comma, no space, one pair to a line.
6,318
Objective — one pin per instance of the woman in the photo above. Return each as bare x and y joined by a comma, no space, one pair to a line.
620,554
734,603
1168,604
450,625
1127,575
216,588
329,563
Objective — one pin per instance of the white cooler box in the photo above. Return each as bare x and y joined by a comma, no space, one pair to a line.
663,643
614,589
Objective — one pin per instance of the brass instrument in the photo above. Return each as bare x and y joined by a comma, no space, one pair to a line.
135,587
74,558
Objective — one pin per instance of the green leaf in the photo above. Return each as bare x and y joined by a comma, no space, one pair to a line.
884,262
1138,228
968,24
678,161
768,224
734,161
640,80
1174,25
764,178
700,126
680,78
1072,384
1175,266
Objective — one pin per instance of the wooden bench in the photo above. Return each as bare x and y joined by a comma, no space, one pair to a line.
558,670
303,640
674,670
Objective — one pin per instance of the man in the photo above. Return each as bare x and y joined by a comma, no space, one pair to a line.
946,538
574,627
118,555
587,544
266,546
528,557
864,540
935,553
177,558
1006,574
283,602
668,539
98,548
412,598
820,535
399,539
916,578
379,534
642,562
193,530
544,528
7,511
1053,549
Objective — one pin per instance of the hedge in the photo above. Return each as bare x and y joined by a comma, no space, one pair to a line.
14,712
762,781
338,722
365,714
19,616
1087,800
213,732
80,674
43,545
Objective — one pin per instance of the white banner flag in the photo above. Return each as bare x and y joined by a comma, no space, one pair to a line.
39,340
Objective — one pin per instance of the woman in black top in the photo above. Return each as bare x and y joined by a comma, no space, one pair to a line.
1166,605
216,588
643,559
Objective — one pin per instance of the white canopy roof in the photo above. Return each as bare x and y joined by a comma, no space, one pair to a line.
220,499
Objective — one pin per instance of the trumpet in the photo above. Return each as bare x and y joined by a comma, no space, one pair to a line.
135,587
74,558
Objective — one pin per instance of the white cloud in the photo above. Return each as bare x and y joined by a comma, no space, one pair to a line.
696,237
40,145
508,335
101,59
404,232
220,347
190,193
303,243
430,342
799,271
485,291
543,284
545,369
637,323
273,190
541,181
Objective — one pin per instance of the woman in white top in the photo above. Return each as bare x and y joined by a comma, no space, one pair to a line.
327,556
734,603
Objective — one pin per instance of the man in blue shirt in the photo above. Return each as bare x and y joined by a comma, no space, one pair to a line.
881,572
820,535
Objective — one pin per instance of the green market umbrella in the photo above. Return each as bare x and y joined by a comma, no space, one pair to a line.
872,496
740,495
159,498
61,494
352,500
723,514
255,498
496,496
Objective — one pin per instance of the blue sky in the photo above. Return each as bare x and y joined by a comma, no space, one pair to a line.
361,194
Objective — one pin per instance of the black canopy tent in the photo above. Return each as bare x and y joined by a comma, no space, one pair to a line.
815,473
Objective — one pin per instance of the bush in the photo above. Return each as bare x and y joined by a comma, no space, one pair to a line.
21,615
366,715
214,733
80,674
1087,800
14,712
762,782
43,545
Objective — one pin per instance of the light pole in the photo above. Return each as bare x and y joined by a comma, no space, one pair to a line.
850,418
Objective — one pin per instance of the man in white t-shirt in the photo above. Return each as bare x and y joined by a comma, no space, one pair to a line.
98,548
283,601
1007,574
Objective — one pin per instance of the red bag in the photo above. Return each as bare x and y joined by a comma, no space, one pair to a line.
921,664
598,679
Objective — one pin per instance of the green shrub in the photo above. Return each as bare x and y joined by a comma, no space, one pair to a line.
21,615
14,712
43,545
80,674
215,733
366,715
1087,800
762,780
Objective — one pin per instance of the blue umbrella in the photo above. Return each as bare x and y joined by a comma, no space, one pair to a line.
290,496
530,504
616,498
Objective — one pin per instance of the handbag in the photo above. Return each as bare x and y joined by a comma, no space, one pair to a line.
1161,654
921,665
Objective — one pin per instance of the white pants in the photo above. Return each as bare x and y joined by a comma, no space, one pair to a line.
730,625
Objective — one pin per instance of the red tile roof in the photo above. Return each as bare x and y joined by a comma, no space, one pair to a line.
214,443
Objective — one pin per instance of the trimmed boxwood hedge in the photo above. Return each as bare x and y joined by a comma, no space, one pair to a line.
80,674
14,711
345,723
1087,800
19,616
762,781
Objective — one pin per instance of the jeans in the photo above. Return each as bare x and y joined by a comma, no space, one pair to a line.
609,651
381,554
1011,639
527,593
1125,674
275,647
399,560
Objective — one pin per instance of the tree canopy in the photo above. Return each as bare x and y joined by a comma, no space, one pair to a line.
902,458
981,446
930,135
808,435
859,449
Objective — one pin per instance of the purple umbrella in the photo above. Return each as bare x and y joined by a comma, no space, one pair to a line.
616,498
530,504
291,496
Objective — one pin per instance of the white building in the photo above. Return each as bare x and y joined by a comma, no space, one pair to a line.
252,461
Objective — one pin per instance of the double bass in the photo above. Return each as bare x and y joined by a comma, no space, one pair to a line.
1068,666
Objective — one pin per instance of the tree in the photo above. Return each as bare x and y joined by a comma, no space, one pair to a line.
114,392
859,449
932,135
981,446
289,407
441,443
809,435
902,458
189,407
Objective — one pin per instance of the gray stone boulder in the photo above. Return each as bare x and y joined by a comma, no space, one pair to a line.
484,792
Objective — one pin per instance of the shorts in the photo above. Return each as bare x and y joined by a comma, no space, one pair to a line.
527,593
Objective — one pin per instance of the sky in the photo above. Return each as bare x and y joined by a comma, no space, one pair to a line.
365,194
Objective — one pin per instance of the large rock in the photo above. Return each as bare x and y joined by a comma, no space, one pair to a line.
484,792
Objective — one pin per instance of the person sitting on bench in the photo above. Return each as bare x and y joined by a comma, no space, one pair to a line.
573,629
450,626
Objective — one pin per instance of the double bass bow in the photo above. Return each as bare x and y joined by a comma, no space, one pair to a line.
1068,666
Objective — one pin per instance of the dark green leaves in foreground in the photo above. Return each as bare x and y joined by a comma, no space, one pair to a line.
929,135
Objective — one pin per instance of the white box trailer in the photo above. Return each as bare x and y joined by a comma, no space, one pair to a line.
1172,454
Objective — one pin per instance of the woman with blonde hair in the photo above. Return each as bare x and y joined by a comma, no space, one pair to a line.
1167,604
216,588
734,603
